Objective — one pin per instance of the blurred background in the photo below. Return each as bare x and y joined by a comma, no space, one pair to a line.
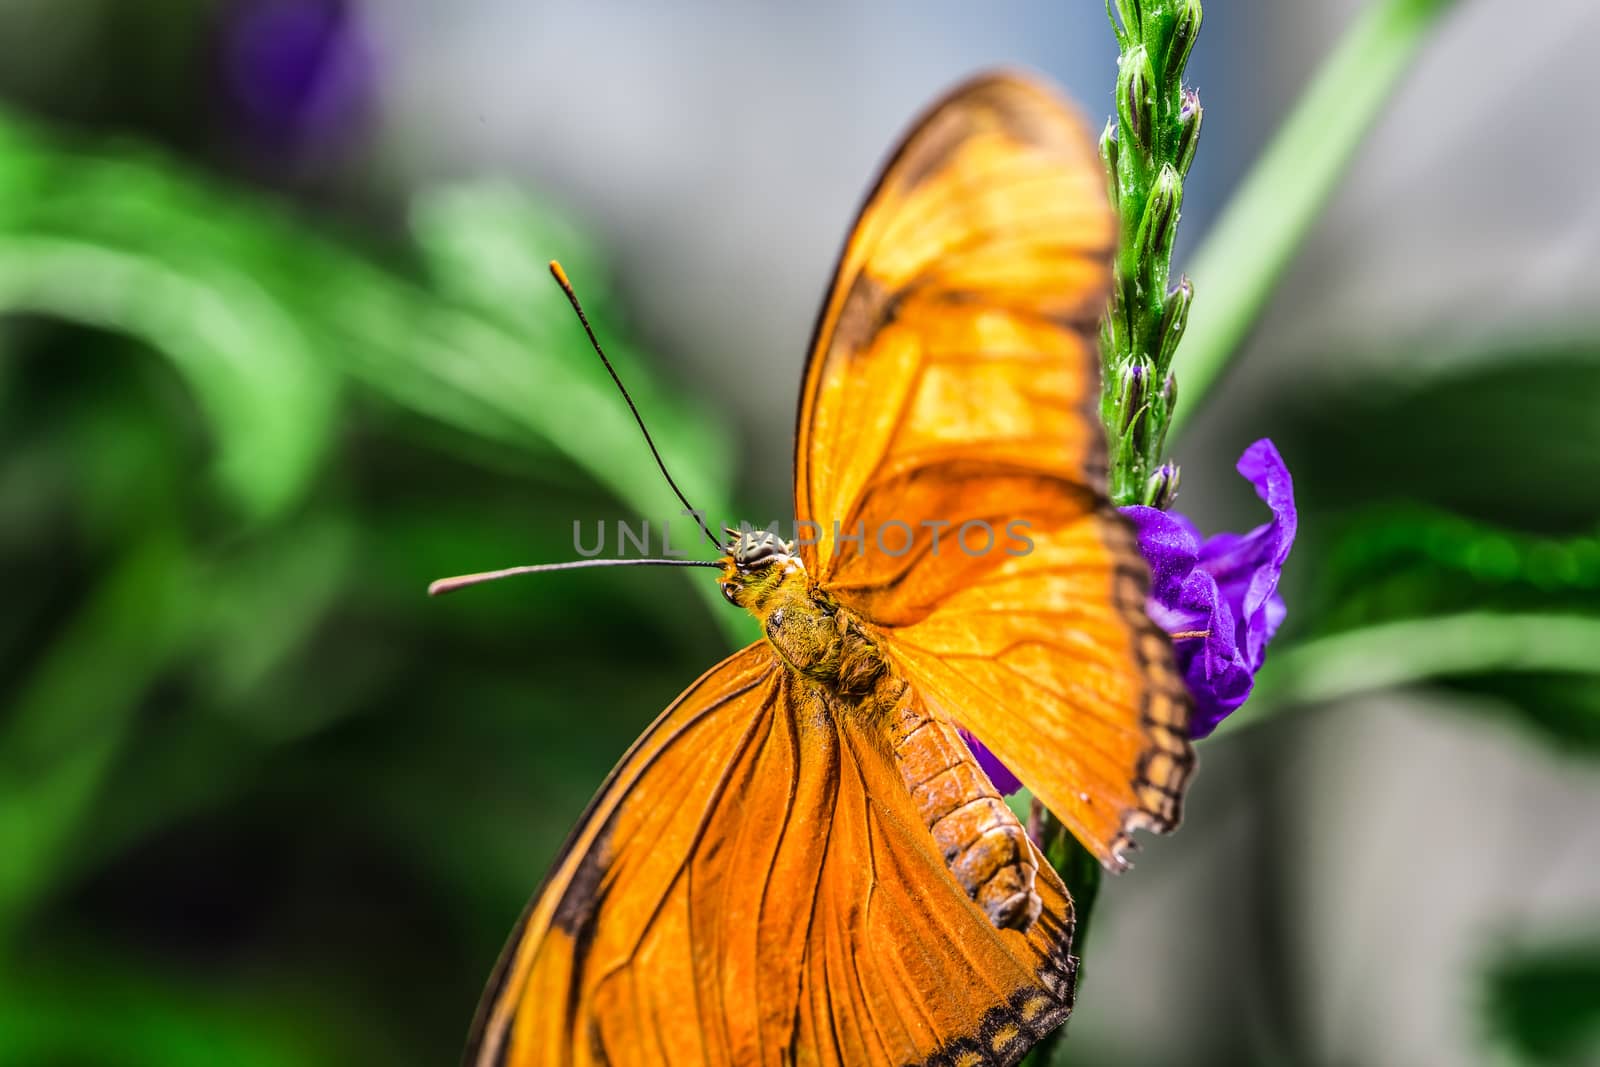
277,347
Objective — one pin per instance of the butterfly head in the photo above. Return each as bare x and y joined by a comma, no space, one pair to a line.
757,563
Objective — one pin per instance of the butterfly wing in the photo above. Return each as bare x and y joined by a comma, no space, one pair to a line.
753,886
901,966
952,391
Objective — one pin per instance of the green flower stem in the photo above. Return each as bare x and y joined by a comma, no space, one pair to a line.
1245,252
1419,650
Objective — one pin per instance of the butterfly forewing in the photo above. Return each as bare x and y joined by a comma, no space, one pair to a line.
949,418
959,316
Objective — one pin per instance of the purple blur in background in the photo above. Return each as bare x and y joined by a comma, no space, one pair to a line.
299,72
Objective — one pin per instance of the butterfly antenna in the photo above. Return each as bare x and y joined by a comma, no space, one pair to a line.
450,585
572,298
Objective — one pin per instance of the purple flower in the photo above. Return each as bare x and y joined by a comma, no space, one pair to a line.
1223,589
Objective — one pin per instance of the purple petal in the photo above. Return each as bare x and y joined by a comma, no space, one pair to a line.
1225,587
1170,545
1005,783
1247,566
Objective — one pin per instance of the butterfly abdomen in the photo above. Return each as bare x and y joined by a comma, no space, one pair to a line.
984,845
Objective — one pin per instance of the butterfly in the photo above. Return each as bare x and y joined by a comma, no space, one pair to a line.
801,861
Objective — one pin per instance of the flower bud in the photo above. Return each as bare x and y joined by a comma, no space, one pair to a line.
1189,116
1159,227
1173,320
1136,102
1108,153
1128,23
1162,488
1135,391
1184,31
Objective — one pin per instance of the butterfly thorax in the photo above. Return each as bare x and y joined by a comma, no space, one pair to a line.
824,643
818,639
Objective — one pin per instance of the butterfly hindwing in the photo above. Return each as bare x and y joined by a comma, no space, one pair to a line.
950,418
754,886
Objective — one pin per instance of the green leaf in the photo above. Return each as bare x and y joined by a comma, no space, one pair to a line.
117,240
66,724
1487,432
1404,561
265,315
488,247
93,1008
1420,651
268,398
1544,1007
1407,595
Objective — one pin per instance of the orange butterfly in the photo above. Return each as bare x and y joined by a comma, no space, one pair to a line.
801,861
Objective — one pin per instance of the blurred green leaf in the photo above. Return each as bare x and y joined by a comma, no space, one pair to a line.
1451,507
1491,432
1545,1006
427,351
96,1008
1403,561
264,314
269,402
118,242
64,728
1419,651
1408,595
489,248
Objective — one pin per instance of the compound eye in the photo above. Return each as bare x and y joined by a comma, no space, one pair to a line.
730,593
